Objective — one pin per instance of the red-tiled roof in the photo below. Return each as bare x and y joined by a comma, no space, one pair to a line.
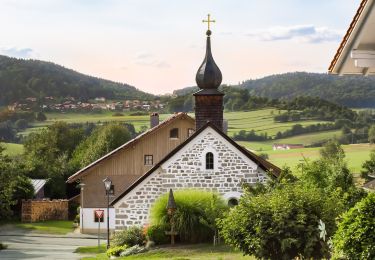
347,35
166,122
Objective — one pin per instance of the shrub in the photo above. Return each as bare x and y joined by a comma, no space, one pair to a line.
282,223
131,237
116,250
195,216
133,250
156,233
355,237
2,246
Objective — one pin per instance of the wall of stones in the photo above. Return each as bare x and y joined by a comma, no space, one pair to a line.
188,171
41,210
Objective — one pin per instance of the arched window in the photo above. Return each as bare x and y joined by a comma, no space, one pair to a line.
173,133
232,202
209,161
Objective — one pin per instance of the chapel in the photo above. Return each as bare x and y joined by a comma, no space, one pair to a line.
208,159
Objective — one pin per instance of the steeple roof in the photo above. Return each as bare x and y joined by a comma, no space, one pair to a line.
208,75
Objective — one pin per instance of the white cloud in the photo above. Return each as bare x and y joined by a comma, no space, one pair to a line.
24,53
304,33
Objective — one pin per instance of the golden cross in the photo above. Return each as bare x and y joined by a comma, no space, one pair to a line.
208,21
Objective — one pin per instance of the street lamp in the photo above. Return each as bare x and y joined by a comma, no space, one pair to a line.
82,185
107,184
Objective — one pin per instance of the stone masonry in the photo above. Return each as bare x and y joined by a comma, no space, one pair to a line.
187,170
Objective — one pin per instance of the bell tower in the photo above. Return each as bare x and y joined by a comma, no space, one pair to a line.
208,100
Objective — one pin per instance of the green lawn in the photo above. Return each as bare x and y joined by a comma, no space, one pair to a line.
91,249
186,252
12,149
60,227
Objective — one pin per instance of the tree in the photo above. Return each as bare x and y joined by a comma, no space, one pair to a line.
369,166
371,134
103,140
282,223
40,116
21,124
332,151
355,236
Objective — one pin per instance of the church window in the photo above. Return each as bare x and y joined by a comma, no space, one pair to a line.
149,160
209,161
173,133
190,132
232,202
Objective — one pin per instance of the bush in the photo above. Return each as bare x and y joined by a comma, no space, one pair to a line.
130,237
133,250
195,216
116,250
2,246
282,223
156,233
355,237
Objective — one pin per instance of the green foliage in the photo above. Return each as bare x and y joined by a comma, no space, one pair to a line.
130,237
281,223
102,141
156,233
116,250
371,134
3,246
195,216
21,78
40,116
355,236
21,124
369,166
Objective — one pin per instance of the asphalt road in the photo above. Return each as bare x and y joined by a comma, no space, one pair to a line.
28,245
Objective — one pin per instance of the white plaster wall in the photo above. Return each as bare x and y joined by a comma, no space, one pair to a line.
88,224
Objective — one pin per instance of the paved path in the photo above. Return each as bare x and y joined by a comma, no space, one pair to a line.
29,245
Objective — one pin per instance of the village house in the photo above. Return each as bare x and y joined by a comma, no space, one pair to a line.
287,146
127,163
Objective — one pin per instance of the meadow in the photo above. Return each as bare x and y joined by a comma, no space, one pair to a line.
261,121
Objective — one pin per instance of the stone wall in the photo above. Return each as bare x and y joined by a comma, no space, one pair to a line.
41,210
187,170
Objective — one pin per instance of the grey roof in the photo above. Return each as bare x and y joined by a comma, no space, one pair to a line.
38,184
369,185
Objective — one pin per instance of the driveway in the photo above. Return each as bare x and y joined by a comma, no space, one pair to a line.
23,244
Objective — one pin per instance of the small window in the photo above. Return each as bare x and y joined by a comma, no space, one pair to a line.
149,160
173,133
96,220
111,190
209,161
190,132
232,202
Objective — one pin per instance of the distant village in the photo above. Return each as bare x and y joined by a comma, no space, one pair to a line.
71,104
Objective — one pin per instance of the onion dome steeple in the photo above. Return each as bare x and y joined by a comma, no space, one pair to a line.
208,75
208,100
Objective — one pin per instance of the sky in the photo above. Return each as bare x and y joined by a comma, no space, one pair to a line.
158,45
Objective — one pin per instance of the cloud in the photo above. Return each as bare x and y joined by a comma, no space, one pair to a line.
24,53
303,33
148,59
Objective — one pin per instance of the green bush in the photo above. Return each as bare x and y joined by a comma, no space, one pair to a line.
195,216
282,223
156,233
130,237
116,250
2,246
355,237
133,250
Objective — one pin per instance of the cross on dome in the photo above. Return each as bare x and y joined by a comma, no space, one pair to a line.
208,21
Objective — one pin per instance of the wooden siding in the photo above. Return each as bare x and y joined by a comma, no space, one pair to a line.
127,165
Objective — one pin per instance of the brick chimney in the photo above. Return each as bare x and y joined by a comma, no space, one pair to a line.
154,119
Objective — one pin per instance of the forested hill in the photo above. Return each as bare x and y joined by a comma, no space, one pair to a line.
33,78
358,91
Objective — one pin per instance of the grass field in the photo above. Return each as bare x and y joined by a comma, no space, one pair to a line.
12,149
187,252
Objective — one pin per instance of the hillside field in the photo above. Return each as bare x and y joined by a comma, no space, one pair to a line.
260,120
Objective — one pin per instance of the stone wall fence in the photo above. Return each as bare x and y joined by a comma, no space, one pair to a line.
41,210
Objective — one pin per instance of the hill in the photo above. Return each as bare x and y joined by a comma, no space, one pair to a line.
20,79
349,91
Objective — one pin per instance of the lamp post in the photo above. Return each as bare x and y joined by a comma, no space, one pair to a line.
107,184
82,185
